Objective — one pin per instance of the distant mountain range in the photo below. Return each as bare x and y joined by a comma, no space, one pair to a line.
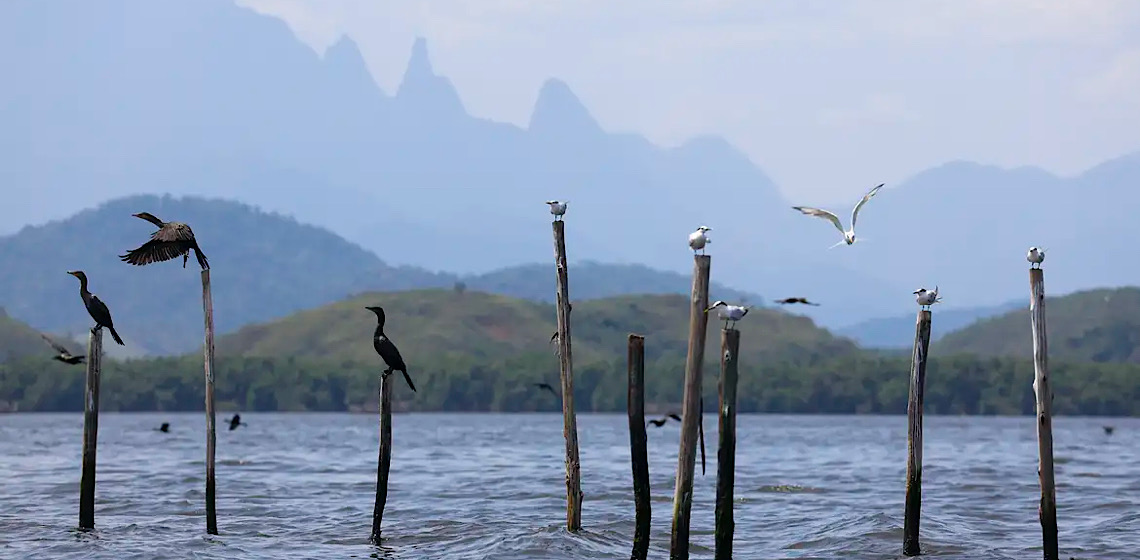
204,97
263,266
898,331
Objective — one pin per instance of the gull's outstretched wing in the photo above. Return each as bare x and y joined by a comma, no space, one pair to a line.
866,197
821,214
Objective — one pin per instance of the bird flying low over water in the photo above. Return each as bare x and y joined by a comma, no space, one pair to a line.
547,387
1108,430
925,298
387,350
728,312
557,208
62,354
698,239
173,239
236,421
1035,257
848,235
661,421
804,301
165,427
95,307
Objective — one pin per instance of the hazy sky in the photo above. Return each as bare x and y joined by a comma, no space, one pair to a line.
827,96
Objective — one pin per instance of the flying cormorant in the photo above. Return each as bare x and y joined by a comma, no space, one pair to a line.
804,301
387,350
170,241
661,422
61,352
236,421
165,427
95,307
547,387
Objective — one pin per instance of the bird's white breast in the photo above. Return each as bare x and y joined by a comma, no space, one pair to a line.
697,239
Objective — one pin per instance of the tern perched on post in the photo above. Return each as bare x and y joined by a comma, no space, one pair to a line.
1035,257
848,235
728,312
557,208
698,239
925,298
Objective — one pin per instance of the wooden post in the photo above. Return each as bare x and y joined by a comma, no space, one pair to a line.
385,460
569,422
913,505
211,433
701,431
1047,511
90,428
691,408
726,447
639,456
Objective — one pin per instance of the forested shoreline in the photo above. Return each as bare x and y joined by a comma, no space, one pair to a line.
863,383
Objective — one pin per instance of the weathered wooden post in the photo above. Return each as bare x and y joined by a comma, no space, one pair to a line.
385,460
639,456
691,408
569,421
211,433
913,506
726,447
90,428
701,432
1047,511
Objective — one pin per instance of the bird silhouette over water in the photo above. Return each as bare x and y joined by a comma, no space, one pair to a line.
165,427
787,301
236,421
95,307
1108,430
173,239
62,353
387,350
547,387
661,422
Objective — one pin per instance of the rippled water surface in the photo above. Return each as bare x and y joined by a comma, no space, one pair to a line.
467,486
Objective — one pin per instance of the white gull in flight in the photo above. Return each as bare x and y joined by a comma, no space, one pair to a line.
848,235
698,239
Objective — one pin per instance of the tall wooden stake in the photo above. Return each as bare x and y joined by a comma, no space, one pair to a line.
569,422
211,433
637,447
691,408
726,448
913,507
90,428
385,460
1047,511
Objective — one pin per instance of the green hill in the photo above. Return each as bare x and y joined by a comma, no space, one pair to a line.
18,340
263,266
1101,325
433,326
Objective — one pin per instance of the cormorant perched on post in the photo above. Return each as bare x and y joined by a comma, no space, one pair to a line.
95,307
171,240
62,353
387,350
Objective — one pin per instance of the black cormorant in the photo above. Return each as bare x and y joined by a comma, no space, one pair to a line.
804,301
165,427
236,421
61,352
173,239
547,387
95,307
387,350
661,422
1108,430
